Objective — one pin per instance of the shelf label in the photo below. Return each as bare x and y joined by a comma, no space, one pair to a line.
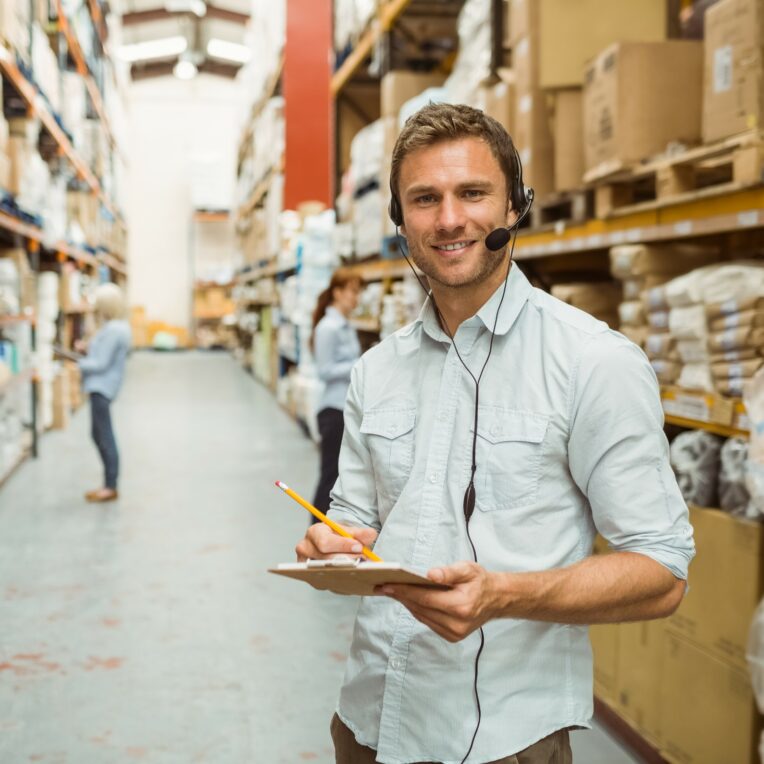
634,235
748,219
683,228
688,407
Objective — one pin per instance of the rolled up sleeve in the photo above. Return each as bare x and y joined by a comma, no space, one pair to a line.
354,496
619,458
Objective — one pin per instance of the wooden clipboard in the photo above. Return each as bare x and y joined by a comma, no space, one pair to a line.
353,576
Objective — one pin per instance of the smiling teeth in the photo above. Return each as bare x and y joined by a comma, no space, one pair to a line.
450,247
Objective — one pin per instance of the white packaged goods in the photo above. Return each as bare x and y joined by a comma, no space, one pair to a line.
666,371
366,156
688,323
737,281
630,260
351,18
473,61
413,105
753,398
367,224
696,376
661,345
45,67
631,313
693,351
695,458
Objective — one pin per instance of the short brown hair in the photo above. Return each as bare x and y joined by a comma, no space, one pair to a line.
438,122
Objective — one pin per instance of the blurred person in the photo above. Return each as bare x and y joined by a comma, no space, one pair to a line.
103,369
335,347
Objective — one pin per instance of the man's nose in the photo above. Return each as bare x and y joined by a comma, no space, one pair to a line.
451,214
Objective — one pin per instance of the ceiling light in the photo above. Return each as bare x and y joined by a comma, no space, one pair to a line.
165,47
230,51
185,69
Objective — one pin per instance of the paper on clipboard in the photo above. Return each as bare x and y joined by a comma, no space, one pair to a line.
345,575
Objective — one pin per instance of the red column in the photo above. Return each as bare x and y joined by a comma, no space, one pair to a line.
308,104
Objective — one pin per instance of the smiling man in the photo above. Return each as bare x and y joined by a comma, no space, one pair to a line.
569,442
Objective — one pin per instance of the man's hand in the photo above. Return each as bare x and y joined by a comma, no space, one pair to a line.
474,598
321,542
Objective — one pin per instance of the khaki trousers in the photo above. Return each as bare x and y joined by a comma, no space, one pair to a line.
553,749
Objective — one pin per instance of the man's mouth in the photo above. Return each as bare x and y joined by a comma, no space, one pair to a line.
455,246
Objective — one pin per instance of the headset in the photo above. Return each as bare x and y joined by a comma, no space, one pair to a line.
522,199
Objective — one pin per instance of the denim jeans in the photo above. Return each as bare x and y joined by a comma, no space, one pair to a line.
103,435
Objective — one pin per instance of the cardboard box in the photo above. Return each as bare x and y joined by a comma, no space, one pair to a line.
605,646
5,171
399,87
600,298
638,98
568,139
534,142
733,77
565,34
708,711
725,585
501,99
61,401
639,675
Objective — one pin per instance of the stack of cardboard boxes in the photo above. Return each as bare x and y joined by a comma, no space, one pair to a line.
683,682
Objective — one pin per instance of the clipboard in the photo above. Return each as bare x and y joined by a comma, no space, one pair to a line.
69,355
350,575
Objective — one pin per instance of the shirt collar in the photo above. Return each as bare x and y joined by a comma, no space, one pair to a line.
332,311
518,291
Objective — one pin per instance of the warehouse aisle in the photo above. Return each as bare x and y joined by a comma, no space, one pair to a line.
147,630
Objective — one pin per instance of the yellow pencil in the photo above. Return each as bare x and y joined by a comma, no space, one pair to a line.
324,519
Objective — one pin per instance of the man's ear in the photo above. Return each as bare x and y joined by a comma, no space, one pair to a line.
511,217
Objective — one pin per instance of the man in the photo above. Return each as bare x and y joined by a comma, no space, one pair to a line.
570,442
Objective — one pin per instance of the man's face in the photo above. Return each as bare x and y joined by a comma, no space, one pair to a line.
453,195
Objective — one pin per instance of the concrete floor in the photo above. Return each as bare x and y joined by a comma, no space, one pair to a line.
148,629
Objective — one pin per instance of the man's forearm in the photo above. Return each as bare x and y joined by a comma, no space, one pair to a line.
623,586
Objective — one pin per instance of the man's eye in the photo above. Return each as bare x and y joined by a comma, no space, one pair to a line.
473,193
426,199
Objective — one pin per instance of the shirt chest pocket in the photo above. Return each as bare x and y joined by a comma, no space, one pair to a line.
509,450
390,440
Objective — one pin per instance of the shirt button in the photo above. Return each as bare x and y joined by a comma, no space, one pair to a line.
395,664
390,430
434,477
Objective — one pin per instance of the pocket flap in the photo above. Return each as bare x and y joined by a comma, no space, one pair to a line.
498,426
388,423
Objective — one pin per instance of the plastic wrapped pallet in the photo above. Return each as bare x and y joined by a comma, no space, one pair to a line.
661,345
715,310
753,398
722,283
695,458
366,156
747,318
733,494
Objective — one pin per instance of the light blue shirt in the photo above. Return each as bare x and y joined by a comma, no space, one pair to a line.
104,366
335,350
570,442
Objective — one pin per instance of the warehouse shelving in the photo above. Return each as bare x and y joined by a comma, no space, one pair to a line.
75,50
269,91
39,106
387,14
14,225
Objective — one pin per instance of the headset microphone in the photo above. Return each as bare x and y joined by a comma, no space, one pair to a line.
499,238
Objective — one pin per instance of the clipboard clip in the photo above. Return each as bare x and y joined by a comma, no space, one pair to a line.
335,562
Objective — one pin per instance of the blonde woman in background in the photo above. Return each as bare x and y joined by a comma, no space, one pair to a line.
103,369
335,347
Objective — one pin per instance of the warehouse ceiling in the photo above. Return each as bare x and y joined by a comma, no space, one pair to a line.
195,22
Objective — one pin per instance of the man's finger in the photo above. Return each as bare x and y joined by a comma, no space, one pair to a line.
452,574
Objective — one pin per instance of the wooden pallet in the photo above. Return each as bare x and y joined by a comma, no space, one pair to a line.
718,168
563,207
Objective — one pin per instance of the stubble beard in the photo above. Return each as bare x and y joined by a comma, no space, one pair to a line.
488,263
